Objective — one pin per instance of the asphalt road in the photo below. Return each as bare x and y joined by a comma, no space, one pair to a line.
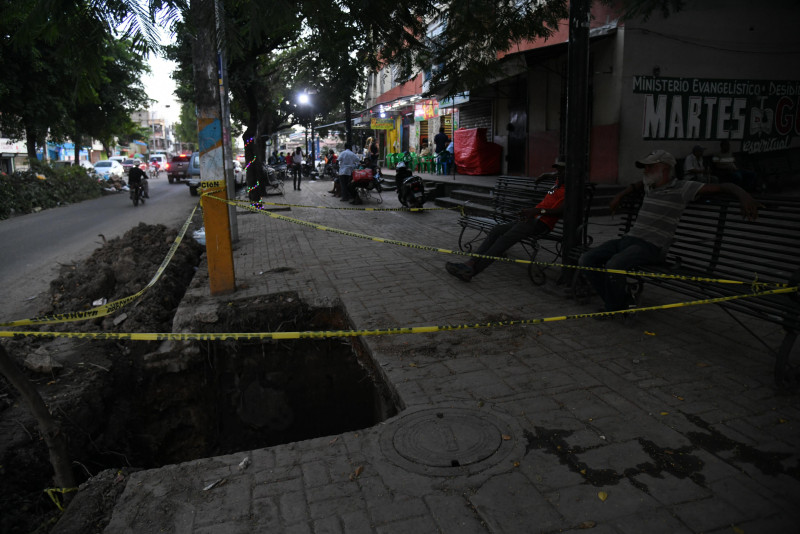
33,246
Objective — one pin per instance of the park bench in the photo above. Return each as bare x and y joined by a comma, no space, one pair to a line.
510,196
712,240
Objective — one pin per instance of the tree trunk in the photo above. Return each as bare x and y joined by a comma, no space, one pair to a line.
77,142
30,138
348,123
50,429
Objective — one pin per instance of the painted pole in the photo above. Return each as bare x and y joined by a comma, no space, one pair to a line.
219,252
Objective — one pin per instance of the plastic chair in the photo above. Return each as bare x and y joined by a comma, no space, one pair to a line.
428,164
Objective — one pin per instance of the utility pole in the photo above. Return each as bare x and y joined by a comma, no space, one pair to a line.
577,134
205,61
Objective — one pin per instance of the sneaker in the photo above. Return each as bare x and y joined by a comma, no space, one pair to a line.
461,271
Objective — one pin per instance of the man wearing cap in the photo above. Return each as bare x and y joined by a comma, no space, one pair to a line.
647,242
693,168
534,222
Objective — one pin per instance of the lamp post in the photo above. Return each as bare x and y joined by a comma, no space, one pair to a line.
305,100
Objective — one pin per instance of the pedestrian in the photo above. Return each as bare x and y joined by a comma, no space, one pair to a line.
348,161
297,168
440,141
534,222
665,198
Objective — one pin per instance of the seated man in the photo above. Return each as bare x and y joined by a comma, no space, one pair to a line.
693,167
534,222
664,201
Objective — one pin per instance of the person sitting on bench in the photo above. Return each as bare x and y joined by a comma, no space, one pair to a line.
534,223
664,201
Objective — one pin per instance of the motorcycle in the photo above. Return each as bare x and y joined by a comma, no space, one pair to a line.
410,189
308,169
137,192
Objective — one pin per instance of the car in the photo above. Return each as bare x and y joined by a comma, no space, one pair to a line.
129,162
87,165
194,174
107,168
178,168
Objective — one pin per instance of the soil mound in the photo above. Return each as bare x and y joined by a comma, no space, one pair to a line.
78,376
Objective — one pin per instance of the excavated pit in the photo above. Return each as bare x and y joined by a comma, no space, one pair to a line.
222,397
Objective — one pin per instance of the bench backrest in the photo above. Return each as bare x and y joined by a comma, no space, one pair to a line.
513,194
713,240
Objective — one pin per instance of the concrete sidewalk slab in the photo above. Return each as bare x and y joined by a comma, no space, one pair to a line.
668,423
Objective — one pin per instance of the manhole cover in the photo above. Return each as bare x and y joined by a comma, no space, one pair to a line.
436,441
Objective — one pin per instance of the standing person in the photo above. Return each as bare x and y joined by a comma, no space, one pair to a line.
297,168
373,153
440,141
348,161
647,242
533,222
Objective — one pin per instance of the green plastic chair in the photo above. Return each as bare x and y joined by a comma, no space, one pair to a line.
427,164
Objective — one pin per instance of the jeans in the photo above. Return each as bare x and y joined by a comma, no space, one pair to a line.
344,183
625,253
503,236
296,175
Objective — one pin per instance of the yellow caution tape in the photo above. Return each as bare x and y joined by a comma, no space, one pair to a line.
245,204
232,336
51,492
212,184
110,307
755,284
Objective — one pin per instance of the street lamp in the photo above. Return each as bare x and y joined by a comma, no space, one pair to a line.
305,100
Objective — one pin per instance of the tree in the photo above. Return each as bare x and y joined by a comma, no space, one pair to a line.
108,114
186,129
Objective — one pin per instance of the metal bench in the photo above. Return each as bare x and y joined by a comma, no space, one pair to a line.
510,196
713,241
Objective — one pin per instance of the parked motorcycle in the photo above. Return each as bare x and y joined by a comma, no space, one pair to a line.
410,189
308,169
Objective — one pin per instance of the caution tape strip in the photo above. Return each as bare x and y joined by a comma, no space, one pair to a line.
233,336
110,307
51,492
755,284
243,203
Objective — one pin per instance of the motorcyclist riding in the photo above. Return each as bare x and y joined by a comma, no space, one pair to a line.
137,176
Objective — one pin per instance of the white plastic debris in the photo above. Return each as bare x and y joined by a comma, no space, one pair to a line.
200,236
99,302
244,463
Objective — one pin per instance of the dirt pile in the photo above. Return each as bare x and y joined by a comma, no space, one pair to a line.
120,268
81,383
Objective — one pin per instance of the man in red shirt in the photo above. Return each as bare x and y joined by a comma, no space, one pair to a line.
534,222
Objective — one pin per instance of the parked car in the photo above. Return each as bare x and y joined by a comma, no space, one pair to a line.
130,162
107,168
194,174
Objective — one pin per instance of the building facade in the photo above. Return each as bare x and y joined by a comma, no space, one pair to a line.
717,70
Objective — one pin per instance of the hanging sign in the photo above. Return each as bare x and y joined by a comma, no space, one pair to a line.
763,114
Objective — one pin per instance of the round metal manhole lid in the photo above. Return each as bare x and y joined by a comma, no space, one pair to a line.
436,441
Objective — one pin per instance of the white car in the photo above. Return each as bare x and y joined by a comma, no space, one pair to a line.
107,168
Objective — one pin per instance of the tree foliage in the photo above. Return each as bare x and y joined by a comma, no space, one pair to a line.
65,73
